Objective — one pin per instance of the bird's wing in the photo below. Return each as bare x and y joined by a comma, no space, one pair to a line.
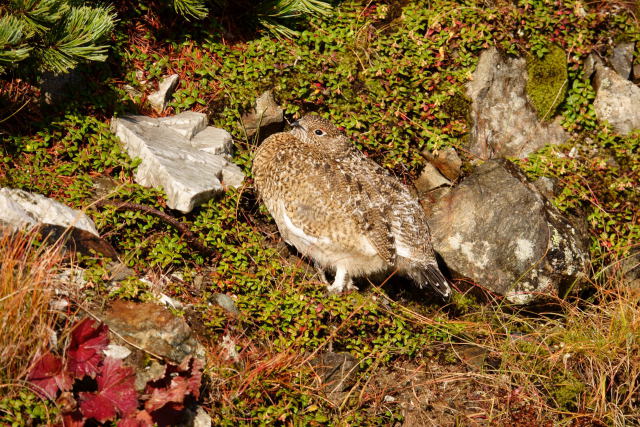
335,203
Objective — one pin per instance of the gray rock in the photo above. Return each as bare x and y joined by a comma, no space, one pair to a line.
622,58
153,328
498,230
630,269
446,161
116,351
336,371
430,179
119,271
617,100
187,124
160,98
504,122
589,66
201,419
152,372
188,175
267,117
21,209
226,302
213,140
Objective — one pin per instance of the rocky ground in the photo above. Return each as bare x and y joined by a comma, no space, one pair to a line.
159,290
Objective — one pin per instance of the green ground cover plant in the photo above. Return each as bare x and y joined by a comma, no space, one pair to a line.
392,75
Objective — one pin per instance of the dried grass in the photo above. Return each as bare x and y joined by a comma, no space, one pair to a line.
27,275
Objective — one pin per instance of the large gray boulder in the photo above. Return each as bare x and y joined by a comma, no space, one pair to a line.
181,154
617,99
504,122
496,229
22,209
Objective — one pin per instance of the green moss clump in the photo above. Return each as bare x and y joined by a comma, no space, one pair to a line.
567,391
458,107
547,81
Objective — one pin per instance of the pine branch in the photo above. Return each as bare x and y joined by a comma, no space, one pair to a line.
38,15
191,8
77,39
273,14
12,38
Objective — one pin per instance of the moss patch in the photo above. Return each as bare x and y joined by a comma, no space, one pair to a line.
546,81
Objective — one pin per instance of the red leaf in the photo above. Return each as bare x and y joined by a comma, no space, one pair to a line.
116,393
195,380
85,350
72,419
141,419
48,376
175,392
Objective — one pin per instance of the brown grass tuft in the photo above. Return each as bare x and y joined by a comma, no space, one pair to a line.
27,275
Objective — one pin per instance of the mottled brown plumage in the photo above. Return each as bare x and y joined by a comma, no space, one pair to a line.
341,209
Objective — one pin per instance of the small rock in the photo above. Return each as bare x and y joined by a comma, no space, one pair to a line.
630,267
498,230
589,66
474,356
116,351
152,372
617,100
504,122
160,98
228,345
337,371
198,281
132,92
73,277
636,73
153,328
227,303
188,175
266,117
119,271
622,58
447,162
430,179
103,186
60,304
202,419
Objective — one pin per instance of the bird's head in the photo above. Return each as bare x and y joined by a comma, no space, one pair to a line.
314,129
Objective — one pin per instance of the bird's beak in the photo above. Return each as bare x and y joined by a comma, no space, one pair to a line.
296,124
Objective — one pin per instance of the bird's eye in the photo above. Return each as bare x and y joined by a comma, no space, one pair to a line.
319,132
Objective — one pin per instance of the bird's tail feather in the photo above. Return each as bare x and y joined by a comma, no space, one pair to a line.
430,275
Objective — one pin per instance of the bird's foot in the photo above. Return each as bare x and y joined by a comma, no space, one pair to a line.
341,284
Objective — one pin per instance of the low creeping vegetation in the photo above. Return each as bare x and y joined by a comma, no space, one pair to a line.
392,74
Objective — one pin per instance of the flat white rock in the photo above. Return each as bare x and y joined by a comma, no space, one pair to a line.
22,209
181,154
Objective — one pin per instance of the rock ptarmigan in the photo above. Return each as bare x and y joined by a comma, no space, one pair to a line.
341,209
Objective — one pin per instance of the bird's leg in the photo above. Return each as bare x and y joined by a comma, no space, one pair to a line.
342,282
321,273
